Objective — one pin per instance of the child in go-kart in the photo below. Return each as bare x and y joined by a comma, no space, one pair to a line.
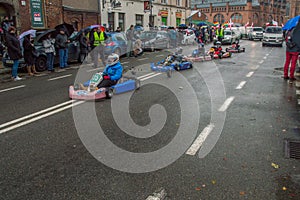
236,45
109,77
200,51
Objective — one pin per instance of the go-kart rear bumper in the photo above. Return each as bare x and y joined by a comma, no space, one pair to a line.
86,95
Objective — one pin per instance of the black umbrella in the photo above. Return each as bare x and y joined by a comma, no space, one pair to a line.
68,28
44,35
296,34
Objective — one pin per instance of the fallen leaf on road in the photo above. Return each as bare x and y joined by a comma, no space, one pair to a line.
203,185
197,188
284,188
283,130
242,193
275,165
213,182
177,124
292,195
225,158
181,88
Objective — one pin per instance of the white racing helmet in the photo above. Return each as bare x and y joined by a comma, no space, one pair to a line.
218,44
112,59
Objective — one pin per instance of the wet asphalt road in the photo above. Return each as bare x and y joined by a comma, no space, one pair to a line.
48,159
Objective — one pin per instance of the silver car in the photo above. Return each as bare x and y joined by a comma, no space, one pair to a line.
230,36
256,33
272,36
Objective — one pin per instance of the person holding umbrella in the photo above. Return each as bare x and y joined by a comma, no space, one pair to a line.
29,54
14,51
292,50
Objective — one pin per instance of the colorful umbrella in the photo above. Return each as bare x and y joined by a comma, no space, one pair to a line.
45,34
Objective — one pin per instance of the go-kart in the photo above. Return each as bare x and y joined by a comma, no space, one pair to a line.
171,63
235,49
217,53
90,92
198,56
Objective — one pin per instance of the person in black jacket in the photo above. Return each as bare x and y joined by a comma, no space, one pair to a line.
14,51
29,54
83,41
61,43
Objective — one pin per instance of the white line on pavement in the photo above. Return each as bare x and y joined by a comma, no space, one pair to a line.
200,139
13,88
261,62
143,59
226,104
250,74
124,63
265,57
143,79
39,117
241,85
91,70
35,114
60,77
267,54
145,75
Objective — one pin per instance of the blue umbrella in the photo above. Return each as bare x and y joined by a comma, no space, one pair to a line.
182,25
291,23
201,24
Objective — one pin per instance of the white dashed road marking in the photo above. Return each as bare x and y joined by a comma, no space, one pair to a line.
143,59
143,79
241,85
13,88
60,77
200,139
250,74
226,104
261,62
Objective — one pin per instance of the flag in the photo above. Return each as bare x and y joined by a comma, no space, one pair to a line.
230,23
247,24
274,23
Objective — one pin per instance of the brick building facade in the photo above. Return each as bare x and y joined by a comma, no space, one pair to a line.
258,12
43,14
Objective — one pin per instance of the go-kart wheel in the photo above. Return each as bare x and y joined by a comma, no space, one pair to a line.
220,56
191,65
109,93
177,68
137,84
226,49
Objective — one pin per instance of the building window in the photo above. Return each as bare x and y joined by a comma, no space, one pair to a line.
122,21
164,1
139,20
178,2
219,18
111,21
236,18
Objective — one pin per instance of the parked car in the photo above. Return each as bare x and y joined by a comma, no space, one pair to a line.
155,40
188,37
256,33
272,36
41,60
116,43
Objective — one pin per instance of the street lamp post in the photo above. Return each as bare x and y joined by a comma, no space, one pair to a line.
150,20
